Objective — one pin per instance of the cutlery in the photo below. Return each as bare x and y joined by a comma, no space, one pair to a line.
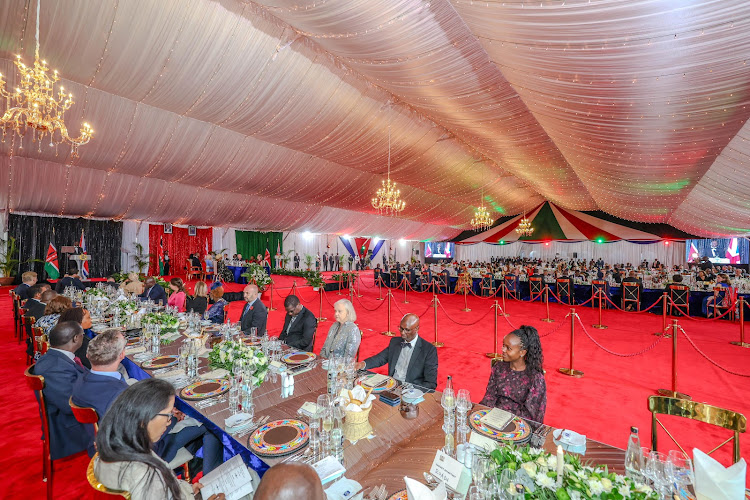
253,427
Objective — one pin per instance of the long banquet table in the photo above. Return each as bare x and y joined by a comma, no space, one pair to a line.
399,448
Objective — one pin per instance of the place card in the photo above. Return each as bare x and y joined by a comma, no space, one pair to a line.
497,418
309,409
375,380
481,441
276,366
451,472
328,469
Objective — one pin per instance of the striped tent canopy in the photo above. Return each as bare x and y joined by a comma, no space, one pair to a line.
552,223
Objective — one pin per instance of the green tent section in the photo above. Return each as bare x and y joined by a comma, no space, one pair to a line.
253,243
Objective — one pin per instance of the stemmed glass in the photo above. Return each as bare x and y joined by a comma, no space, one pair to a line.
480,467
655,471
448,402
680,470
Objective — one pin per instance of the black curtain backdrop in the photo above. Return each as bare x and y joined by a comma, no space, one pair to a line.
33,235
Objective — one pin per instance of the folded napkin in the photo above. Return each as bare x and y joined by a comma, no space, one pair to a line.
238,422
218,373
135,350
358,393
169,374
344,489
418,491
715,482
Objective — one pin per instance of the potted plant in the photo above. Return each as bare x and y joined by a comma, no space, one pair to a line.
315,280
9,261
309,259
141,259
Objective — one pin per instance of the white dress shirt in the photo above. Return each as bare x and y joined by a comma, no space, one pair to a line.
402,364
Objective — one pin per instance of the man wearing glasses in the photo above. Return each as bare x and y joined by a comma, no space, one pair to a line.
410,358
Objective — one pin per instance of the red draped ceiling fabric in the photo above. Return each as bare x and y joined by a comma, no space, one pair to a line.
178,244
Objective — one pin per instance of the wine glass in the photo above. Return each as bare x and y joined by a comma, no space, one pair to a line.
680,469
480,466
654,470
463,401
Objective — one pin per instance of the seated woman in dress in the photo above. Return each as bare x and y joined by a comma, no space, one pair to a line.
177,298
343,337
517,384
52,312
126,461
723,299
199,301
216,311
132,284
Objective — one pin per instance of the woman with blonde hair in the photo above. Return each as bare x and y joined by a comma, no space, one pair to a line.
199,301
132,284
344,336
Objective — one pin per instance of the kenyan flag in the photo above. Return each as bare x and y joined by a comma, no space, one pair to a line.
50,263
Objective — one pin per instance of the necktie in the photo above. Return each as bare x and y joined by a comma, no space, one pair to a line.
77,361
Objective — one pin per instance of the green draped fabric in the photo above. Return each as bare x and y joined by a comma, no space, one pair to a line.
252,243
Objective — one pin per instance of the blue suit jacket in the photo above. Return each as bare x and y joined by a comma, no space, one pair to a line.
67,436
97,392
155,293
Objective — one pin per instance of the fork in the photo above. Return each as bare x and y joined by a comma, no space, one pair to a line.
252,428
378,493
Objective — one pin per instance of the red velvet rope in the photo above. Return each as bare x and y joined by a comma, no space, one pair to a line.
709,359
642,351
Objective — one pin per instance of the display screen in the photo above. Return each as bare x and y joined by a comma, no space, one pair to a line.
439,250
719,251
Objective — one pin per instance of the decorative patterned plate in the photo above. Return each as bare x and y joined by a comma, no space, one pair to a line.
298,357
160,362
251,342
520,433
133,341
205,389
386,387
399,495
279,437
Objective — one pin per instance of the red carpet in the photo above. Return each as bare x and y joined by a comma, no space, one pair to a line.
603,404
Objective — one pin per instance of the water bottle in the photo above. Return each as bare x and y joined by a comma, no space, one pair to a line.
634,456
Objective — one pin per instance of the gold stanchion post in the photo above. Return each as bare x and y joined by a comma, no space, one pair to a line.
600,325
495,354
546,300
570,371
406,283
320,315
270,306
341,283
503,294
294,288
359,292
742,342
466,304
435,305
663,318
351,293
388,332
673,392
380,287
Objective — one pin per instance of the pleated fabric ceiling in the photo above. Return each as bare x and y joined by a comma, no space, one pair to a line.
274,114
552,223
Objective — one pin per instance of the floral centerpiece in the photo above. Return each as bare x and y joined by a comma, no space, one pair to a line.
536,471
224,354
257,274
167,323
96,293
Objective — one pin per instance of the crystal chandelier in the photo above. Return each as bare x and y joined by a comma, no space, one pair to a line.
482,219
524,227
387,199
33,105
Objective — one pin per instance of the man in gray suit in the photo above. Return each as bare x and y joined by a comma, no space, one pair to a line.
410,358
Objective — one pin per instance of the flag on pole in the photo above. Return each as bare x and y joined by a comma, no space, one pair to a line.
84,263
733,253
278,247
267,257
161,255
206,240
51,266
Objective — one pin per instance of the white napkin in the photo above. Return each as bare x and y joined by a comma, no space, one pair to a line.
135,350
715,482
359,394
218,373
570,441
418,491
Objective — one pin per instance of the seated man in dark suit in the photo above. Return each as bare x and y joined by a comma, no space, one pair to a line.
154,291
70,279
28,279
61,369
100,387
34,305
255,313
299,325
410,358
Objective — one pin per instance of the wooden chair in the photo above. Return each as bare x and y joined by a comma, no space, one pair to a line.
441,282
101,490
28,325
511,284
701,412
680,299
723,301
488,285
193,272
85,415
536,288
631,292
597,285
36,383
38,337
425,283
564,290
393,277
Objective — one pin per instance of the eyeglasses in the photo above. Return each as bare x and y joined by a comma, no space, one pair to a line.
168,415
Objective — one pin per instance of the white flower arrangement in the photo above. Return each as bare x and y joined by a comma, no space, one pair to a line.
536,470
224,354
167,323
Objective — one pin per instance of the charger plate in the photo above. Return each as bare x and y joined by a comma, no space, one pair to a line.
298,357
205,389
280,437
162,361
399,495
520,432
386,387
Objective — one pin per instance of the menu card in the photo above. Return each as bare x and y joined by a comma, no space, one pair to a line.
375,380
328,469
231,478
497,419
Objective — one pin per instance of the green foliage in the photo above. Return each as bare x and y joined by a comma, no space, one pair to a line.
141,259
314,279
